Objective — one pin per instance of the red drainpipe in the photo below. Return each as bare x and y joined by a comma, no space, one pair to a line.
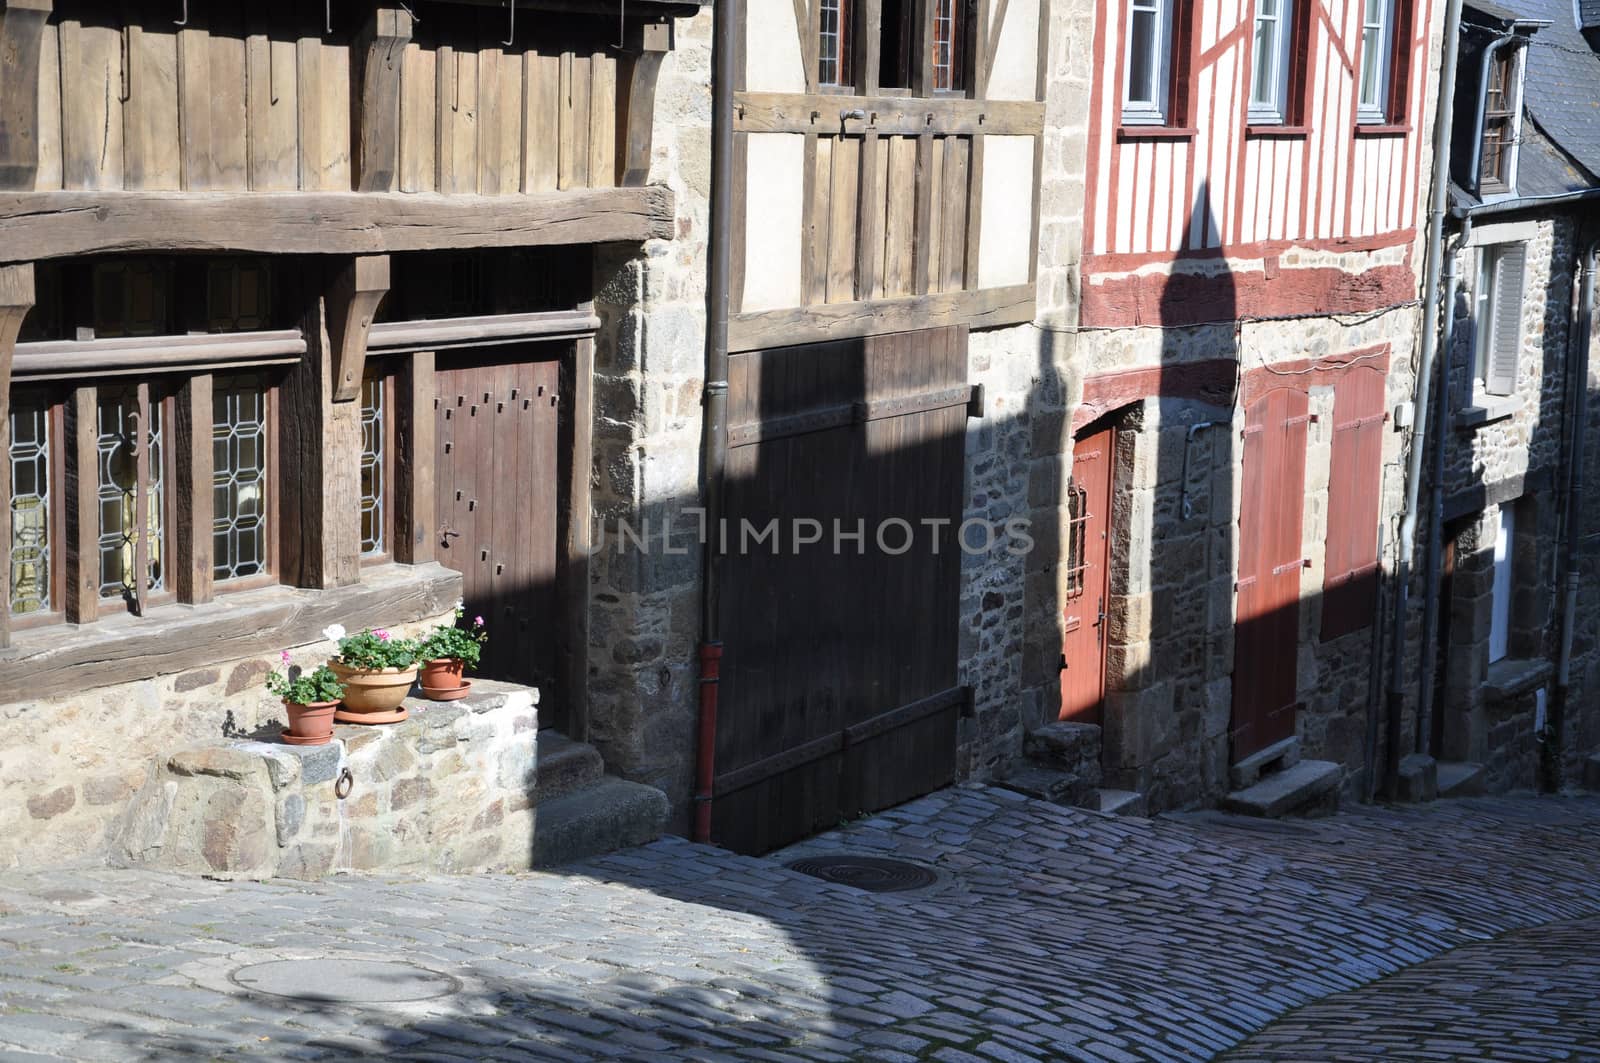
705,765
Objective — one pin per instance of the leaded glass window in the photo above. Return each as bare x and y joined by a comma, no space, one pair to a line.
30,506
238,296
373,487
239,450
833,42
119,442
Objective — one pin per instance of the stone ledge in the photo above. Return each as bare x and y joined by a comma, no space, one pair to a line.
1490,409
71,659
451,789
1511,676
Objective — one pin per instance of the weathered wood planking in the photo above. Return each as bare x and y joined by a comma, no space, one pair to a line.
573,148
376,64
846,171
49,111
541,96
230,128
43,225
985,308
272,109
151,154
419,120
80,553
16,299
602,121
955,204
193,571
91,106
414,501
899,229
22,37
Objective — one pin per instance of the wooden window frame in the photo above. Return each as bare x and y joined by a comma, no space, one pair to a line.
1155,112
1289,113
140,601
1378,110
1500,176
861,73
387,377
271,413
55,457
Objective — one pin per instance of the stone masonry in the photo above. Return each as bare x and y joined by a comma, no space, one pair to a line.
449,790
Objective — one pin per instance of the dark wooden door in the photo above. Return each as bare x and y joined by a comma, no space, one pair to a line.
496,478
839,692
1271,559
1083,649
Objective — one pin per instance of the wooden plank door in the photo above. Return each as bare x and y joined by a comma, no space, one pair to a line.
1083,648
496,477
1271,559
839,692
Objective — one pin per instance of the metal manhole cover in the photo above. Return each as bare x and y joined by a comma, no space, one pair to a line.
345,981
874,874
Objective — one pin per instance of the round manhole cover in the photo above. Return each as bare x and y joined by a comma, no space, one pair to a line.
345,981
875,874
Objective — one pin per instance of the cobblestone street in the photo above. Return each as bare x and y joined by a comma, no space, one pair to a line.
1467,929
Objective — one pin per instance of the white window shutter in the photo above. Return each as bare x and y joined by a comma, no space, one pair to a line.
1510,268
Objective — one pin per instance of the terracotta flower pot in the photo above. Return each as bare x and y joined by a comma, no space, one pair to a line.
373,690
442,674
310,725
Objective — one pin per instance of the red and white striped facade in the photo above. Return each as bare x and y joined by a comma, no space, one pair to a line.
1312,218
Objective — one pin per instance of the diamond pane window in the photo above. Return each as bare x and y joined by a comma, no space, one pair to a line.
30,507
119,441
372,459
238,441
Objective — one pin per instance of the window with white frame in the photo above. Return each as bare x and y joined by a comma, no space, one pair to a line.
1146,92
1497,317
1502,106
1271,60
1377,54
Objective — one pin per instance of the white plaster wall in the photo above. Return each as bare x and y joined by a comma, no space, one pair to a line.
773,193
1016,60
1008,192
772,48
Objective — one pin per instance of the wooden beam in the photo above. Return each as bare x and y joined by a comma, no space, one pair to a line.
794,112
869,220
80,544
639,103
414,506
573,576
194,509
922,263
988,308
60,224
869,22
16,299
974,214
377,56
57,660
21,30
353,300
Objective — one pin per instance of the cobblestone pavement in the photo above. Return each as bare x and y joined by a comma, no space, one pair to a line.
1463,929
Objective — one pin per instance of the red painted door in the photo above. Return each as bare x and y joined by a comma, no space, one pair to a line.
1083,649
1271,559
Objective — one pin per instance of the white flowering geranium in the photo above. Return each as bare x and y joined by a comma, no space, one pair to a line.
333,632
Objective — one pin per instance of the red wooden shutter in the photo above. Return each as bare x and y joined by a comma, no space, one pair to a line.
1350,563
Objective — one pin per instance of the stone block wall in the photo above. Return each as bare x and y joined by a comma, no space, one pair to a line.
69,765
649,379
449,790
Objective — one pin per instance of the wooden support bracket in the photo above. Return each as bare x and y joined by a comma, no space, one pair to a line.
377,57
352,303
21,30
639,106
16,299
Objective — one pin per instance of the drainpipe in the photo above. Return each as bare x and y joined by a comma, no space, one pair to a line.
1578,381
1442,122
714,439
1432,560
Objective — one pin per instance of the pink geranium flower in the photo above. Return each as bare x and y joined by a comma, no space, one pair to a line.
383,636
477,621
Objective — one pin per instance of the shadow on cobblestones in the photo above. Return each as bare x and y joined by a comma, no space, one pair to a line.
1053,934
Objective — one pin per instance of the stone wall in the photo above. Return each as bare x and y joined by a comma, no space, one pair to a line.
69,765
649,377
451,789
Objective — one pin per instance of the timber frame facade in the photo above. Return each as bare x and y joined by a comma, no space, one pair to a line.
245,257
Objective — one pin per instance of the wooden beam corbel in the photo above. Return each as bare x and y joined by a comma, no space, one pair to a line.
639,107
353,301
16,299
377,55
21,30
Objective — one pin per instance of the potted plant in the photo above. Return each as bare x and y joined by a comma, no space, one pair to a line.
310,699
447,652
377,670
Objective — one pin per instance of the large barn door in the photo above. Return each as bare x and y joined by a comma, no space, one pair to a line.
839,690
1271,558
495,476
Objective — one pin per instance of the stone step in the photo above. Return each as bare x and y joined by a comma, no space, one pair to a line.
1311,787
1119,802
1280,756
1070,747
1457,779
1046,784
564,766
600,818
1591,772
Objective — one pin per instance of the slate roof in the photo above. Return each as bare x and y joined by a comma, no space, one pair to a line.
1561,94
